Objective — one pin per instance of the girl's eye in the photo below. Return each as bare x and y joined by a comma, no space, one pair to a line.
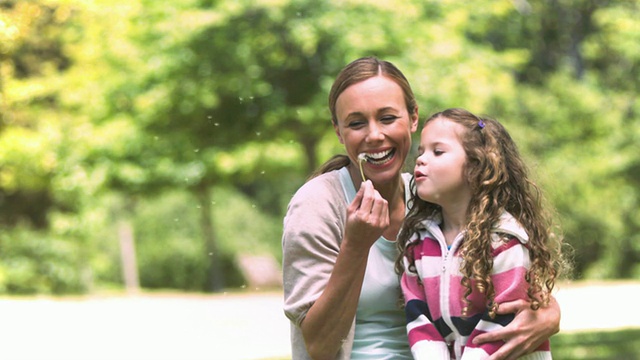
438,152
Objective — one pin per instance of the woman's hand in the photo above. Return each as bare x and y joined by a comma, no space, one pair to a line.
367,215
526,332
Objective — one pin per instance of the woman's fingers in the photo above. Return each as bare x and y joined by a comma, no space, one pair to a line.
367,197
510,331
374,208
513,307
528,330
357,200
368,214
368,202
508,351
379,211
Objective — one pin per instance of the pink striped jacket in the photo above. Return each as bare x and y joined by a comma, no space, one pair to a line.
433,294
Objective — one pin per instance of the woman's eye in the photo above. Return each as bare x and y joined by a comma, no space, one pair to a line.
389,118
356,124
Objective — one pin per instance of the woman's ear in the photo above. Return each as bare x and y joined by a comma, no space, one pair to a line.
337,130
414,118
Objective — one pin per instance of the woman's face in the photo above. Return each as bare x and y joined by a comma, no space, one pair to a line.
373,119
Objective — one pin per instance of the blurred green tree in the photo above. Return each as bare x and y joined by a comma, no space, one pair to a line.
36,150
577,104
142,99
233,91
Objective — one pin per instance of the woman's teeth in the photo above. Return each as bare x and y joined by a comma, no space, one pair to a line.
379,157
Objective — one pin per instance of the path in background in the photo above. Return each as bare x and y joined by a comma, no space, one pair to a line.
229,327
599,305
145,327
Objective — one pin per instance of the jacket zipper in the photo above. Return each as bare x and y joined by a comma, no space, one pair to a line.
445,281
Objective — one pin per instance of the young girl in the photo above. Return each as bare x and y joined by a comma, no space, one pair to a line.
476,235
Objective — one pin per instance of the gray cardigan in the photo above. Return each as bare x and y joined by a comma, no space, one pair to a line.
313,230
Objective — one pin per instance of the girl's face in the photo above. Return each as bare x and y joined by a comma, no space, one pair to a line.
439,171
373,119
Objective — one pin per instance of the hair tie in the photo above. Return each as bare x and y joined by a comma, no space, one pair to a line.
481,124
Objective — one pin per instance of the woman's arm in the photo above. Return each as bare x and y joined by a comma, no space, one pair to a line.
329,319
526,332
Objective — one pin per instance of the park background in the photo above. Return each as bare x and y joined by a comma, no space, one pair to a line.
151,147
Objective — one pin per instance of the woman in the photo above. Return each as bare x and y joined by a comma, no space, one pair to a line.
341,290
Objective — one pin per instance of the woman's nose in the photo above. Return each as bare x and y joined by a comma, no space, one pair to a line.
375,132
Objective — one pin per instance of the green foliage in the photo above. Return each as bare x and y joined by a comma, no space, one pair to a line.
600,345
34,262
169,248
175,99
243,226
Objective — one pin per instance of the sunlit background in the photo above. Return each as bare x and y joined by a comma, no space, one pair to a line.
148,150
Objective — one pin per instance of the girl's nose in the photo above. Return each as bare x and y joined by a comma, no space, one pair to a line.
421,160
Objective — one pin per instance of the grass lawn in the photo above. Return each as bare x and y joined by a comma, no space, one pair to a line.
601,345
591,345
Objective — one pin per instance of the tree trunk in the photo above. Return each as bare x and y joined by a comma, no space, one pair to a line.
310,150
126,238
216,274
128,256
2,97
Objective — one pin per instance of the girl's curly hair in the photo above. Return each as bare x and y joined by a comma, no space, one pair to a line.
499,181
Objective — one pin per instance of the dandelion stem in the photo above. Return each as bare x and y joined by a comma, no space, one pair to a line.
361,158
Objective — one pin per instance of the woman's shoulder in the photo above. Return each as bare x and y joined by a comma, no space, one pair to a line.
321,192
320,186
318,203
